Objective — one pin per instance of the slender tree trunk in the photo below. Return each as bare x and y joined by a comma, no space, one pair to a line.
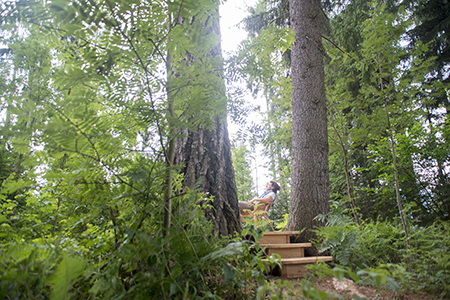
256,171
269,130
170,153
310,178
205,154
394,158
392,144
346,170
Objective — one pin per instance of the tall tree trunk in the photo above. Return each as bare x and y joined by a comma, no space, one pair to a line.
206,157
205,154
310,178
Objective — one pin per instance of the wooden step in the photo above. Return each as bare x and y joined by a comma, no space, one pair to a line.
277,237
286,250
296,267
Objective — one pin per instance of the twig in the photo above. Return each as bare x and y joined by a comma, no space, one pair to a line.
332,43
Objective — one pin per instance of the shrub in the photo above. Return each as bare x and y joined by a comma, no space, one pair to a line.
425,266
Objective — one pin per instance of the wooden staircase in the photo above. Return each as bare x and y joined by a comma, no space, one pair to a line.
292,256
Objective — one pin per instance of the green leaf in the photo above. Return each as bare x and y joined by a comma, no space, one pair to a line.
68,270
392,283
339,273
229,250
228,273
353,276
173,289
152,260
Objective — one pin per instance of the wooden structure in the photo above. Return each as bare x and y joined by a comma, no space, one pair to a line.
260,210
293,258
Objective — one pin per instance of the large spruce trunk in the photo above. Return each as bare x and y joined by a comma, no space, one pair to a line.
205,155
310,179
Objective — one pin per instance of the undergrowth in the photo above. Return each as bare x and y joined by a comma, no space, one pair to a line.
109,245
424,267
104,241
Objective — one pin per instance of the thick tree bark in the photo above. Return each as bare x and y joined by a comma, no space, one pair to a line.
310,178
205,155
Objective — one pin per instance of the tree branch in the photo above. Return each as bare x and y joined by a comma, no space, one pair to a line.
337,47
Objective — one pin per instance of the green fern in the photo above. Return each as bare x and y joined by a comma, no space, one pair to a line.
67,272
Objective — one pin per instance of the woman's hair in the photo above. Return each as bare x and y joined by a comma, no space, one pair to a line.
275,186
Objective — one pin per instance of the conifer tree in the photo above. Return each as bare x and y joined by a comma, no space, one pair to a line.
310,181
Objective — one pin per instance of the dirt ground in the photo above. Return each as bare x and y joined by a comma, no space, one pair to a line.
347,288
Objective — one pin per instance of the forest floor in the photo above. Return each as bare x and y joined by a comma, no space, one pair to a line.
347,288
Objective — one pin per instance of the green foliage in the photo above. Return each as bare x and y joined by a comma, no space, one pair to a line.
263,224
378,277
358,94
85,127
260,62
285,289
432,28
279,209
242,160
381,245
282,226
26,271
429,267
68,271
86,98
129,260
366,246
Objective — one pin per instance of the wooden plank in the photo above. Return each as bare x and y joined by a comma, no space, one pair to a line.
274,239
286,250
294,271
303,260
296,267
306,260
280,232
293,245
277,237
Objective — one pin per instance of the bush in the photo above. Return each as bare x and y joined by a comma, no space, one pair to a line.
96,259
425,266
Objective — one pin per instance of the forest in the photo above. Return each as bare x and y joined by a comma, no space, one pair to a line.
119,178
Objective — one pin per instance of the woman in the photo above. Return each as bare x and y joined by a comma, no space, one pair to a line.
265,198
